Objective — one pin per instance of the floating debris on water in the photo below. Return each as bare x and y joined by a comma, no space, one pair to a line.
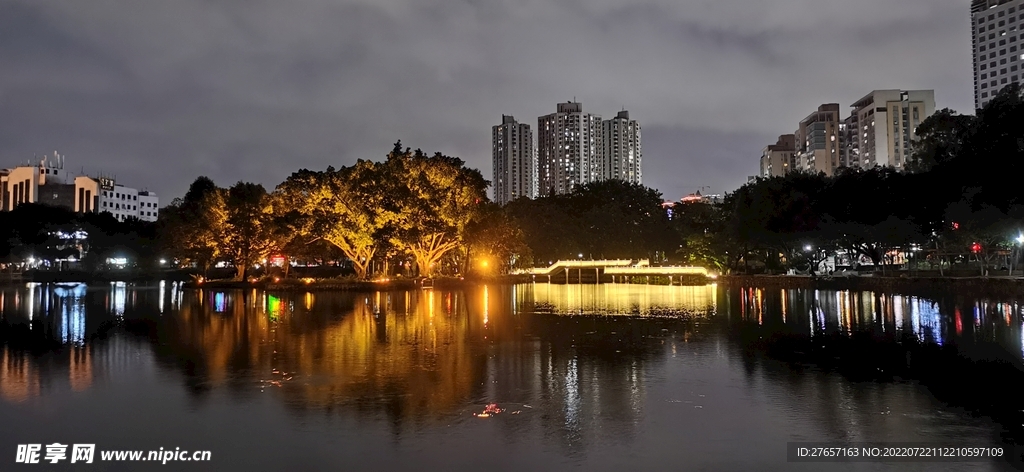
490,410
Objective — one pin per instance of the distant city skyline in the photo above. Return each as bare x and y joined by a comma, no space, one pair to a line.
164,93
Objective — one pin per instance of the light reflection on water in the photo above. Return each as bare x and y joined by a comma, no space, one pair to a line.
927,320
410,367
616,299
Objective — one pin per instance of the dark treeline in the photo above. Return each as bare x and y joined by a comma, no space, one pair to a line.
57,237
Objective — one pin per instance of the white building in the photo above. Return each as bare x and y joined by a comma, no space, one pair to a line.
515,164
622,151
886,122
997,33
149,206
47,182
569,149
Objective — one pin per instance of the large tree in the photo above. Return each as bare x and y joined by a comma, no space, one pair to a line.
249,233
432,199
496,241
191,228
345,208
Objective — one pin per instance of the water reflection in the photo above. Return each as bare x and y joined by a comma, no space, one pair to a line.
615,299
931,321
424,361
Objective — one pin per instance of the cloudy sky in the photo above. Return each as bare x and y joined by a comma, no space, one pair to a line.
159,92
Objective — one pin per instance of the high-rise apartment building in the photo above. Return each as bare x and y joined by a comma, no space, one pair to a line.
622,152
886,124
514,162
817,140
779,158
997,33
569,149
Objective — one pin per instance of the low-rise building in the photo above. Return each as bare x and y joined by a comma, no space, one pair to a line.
47,182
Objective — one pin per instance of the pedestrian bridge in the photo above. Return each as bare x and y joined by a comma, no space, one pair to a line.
614,267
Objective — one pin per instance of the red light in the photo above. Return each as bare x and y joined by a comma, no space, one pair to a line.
956,226
975,248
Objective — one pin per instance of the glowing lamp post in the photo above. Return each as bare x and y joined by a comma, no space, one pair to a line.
1017,251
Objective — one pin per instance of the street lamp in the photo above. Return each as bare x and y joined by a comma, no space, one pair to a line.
1020,244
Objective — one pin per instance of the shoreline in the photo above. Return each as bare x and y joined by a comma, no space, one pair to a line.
994,286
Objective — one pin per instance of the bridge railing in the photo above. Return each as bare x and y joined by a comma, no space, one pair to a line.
615,267
656,271
573,264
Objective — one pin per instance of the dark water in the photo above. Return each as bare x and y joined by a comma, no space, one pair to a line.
608,377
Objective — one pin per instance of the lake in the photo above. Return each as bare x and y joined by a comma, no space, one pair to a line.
525,377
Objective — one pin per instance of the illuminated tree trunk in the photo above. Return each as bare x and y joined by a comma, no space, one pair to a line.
361,266
429,251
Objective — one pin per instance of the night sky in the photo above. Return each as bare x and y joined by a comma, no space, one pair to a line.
160,92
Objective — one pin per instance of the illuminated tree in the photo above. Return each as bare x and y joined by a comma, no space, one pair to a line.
344,208
432,199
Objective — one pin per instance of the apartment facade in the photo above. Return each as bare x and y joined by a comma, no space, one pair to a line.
997,40
779,159
514,160
886,124
569,149
817,140
622,151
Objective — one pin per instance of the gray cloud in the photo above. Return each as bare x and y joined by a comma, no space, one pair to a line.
161,92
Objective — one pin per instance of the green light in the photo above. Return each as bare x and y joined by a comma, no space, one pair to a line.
273,307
